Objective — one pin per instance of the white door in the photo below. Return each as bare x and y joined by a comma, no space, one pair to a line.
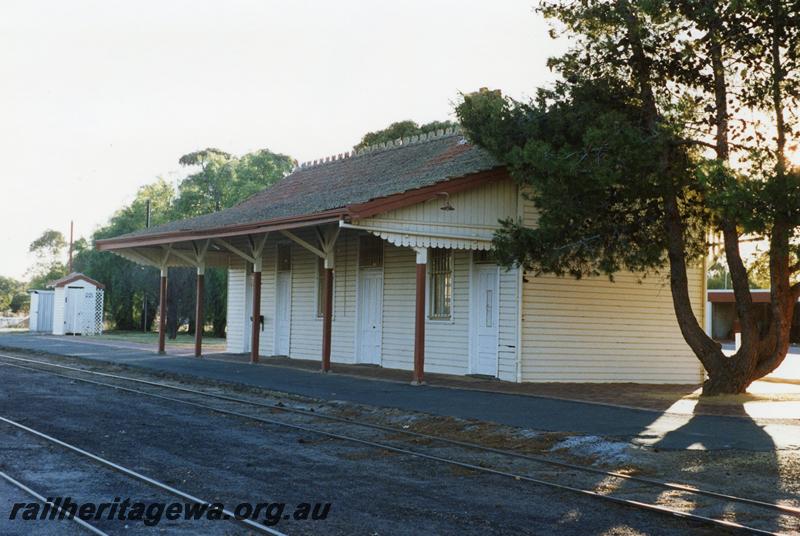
370,316
283,311
248,312
484,320
73,309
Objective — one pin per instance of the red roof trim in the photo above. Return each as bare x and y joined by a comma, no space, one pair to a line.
727,296
420,195
71,278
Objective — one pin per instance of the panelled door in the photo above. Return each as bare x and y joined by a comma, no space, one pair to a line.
283,299
248,311
73,309
283,311
370,315
485,318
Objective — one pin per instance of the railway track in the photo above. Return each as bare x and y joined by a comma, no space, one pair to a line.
118,468
44,500
74,373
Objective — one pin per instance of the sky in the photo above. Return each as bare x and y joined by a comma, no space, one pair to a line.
100,98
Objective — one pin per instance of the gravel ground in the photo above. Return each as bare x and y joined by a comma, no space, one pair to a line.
236,460
53,472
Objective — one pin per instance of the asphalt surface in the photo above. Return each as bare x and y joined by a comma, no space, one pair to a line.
235,460
666,431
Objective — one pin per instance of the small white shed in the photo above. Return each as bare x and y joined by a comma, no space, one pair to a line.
41,319
77,305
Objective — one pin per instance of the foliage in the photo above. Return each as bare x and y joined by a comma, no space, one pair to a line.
129,287
132,290
648,141
758,269
48,250
224,180
401,129
13,297
718,276
587,160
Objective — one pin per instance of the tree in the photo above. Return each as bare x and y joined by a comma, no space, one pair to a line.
758,269
132,290
717,276
48,249
401,129
13,297
647,143
224,180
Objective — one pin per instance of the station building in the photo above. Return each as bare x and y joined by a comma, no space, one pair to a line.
382,257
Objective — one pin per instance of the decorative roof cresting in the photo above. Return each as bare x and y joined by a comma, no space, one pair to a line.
399,142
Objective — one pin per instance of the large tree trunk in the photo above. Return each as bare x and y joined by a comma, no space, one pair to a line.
759,354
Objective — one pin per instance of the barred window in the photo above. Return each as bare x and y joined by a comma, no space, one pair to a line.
321,287
370,252
441,283
284,257
483,256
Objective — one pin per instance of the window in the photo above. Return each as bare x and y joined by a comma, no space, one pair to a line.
483,256
321,287
284,257
441,283
370,252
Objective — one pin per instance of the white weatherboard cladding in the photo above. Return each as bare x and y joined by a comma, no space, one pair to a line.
305,333
446,341
344,298
59,299
305,330
470,226
563,329
236,333
267,338
595,330
82,316
509,321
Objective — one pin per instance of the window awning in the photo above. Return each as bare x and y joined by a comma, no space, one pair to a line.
439,238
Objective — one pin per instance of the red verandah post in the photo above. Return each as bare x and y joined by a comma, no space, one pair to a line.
254,341
199,316
327,318
162,313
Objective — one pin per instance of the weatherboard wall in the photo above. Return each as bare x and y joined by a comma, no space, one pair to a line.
447,341
596,330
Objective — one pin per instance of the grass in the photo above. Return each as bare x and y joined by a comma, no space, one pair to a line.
151,337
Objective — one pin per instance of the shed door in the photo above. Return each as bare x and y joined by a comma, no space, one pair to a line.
73,310
484,320
283,311
370,317
45,312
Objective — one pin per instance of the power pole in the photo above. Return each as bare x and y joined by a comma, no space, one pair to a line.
71,230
